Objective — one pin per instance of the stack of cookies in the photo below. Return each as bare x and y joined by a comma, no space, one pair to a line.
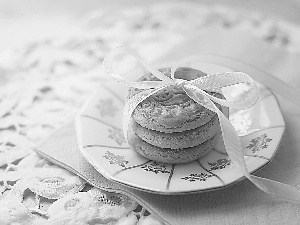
169,126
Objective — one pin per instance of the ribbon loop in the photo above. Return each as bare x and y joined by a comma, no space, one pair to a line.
108,67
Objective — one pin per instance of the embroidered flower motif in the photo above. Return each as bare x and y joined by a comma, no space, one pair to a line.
259,143
219,164
106,107
155,168
117,135
197,177
115,159
92,207
110,198
54,187
72,203
50,182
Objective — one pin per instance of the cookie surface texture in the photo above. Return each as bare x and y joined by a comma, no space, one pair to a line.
171,109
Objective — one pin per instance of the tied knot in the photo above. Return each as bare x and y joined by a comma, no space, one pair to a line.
179,82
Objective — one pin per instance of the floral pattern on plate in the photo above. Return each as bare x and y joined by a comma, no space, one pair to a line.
259,143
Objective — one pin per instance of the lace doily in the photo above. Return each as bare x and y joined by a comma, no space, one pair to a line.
44,84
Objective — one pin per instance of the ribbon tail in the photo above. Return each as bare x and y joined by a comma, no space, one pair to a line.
276,189
235,153
232,143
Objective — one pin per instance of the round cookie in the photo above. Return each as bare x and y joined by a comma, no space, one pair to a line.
167,155
172,110
178,140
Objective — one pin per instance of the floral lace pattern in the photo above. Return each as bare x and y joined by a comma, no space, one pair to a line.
65,71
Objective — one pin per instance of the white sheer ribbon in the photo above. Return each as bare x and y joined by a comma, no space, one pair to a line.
195,89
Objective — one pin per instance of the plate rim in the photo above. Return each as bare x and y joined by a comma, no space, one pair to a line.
206,58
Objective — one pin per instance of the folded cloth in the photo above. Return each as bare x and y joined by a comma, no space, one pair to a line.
241,203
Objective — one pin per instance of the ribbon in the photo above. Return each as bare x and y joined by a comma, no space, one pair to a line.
196,90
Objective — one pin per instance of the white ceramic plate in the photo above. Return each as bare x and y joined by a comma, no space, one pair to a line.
101,141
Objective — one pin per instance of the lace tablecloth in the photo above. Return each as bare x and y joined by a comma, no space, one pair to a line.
44,83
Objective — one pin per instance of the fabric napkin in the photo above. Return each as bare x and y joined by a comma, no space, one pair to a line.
241,203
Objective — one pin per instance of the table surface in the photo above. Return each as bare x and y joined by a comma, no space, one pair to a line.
50,61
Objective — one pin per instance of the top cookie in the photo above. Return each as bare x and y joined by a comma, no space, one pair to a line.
172,110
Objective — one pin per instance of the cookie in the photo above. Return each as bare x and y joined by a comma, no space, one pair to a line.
176,140
171,109
167,155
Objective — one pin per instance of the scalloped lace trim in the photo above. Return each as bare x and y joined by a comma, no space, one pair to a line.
37,192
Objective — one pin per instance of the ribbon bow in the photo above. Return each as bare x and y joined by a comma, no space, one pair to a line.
196,90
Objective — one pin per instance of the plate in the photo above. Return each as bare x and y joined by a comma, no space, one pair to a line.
101,141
